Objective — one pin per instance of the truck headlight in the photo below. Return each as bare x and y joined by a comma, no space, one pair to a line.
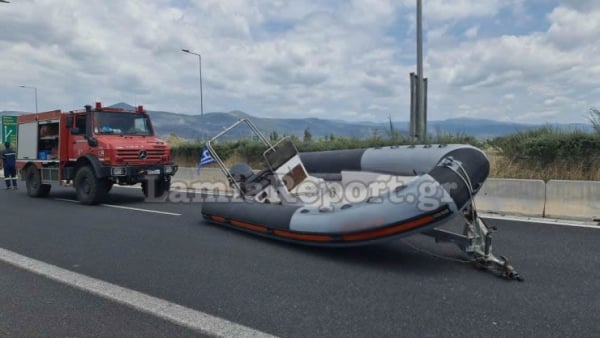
118,171
169,169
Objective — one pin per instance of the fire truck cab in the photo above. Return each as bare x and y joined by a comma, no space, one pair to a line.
93,149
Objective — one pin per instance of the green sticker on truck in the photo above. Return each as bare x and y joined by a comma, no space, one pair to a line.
9,130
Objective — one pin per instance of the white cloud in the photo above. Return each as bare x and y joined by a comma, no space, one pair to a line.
345,59
582,5
442,10
472,32
571,29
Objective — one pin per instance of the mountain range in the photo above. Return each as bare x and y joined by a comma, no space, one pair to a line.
195,127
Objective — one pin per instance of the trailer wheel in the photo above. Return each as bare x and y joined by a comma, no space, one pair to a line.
161,187
33,181
89,188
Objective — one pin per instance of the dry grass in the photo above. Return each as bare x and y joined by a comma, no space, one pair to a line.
502,167
183,161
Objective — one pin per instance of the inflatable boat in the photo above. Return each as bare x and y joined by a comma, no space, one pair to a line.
355,197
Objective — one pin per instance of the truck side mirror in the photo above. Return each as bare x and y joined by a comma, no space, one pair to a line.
75,131
69,121
92,142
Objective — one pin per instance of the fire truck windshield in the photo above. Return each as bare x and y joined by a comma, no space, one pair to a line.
117,123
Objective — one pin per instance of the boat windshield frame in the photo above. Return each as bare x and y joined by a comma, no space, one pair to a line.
219,161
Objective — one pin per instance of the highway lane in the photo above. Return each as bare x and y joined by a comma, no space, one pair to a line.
34,306
390,289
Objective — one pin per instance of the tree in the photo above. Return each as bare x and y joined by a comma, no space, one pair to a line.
594,117
375,134
307,135
274,136
393,133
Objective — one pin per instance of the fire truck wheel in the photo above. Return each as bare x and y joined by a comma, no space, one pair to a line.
90,190
33,181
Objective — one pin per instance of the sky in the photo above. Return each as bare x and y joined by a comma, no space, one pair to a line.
527,61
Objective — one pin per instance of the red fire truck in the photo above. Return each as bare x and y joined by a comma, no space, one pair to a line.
92,148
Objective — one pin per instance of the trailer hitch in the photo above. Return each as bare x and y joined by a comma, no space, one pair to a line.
476,242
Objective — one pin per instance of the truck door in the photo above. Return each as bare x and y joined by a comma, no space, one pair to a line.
27,145
78,145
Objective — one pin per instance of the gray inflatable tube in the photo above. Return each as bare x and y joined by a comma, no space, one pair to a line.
446,179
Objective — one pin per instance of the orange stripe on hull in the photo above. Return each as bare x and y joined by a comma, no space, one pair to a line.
248,226
325,238
388,231
218,218
303,237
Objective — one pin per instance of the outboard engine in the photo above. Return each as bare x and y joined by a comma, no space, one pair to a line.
250,183
240,172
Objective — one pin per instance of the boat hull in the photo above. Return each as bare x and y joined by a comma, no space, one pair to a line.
447,179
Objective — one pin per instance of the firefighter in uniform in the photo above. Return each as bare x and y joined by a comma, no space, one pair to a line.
9,157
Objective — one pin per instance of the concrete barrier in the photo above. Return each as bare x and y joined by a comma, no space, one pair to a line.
512,196
573,199
535,198
211,179
192,175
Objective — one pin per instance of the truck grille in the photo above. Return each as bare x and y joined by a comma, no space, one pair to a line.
133,155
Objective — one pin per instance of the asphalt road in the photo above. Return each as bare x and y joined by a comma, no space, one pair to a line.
410,288
34,306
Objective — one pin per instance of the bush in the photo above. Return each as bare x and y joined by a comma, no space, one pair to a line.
547,144
250,151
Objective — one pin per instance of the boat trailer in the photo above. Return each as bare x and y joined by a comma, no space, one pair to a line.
475,240
476,243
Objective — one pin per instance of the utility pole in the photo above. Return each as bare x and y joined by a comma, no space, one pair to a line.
421,115
35,96
200,71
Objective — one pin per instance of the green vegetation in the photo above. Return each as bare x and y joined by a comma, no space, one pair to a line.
547,145
250,151
544,153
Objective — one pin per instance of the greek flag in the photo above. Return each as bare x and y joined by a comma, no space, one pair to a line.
205,158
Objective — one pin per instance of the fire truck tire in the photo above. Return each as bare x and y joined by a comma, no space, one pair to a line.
162,187
33,181
89,188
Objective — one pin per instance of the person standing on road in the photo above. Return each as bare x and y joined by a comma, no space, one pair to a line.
9,160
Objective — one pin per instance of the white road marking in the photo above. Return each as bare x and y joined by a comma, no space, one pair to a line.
187,190
174,313
66,200
140,209
580,224
127,208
